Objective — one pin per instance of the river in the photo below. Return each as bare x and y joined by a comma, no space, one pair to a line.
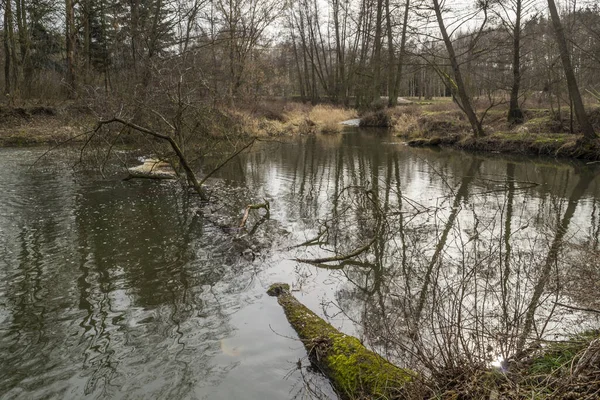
134,289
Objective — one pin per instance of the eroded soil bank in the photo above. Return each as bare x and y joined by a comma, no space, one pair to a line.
39,125
544,132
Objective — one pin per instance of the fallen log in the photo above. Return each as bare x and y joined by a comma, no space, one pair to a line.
354,371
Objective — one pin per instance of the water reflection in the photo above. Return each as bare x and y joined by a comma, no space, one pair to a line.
132,289
476,251
112,289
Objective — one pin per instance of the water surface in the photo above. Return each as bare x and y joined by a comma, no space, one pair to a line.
129,289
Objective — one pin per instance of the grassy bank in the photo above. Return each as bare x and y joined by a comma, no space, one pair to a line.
544,132
283,118
39,125
434,123
568,369
550,144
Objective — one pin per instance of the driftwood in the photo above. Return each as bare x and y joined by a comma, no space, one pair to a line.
153,169
182,160
191,176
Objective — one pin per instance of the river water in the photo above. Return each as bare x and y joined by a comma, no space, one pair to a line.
134,289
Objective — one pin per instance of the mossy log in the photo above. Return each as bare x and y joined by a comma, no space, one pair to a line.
354,371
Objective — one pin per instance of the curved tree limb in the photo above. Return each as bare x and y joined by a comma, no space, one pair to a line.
188,170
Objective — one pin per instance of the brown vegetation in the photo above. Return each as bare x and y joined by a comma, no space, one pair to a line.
543,131
32,125
51,125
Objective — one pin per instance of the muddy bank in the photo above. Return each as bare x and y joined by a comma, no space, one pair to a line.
42,125
553,145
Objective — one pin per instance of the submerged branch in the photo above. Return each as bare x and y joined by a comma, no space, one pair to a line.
258,206
592,310
231,157
343,257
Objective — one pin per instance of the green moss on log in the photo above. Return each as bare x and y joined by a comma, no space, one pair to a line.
355,371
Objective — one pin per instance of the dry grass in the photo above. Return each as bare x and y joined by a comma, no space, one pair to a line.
279,118
543,133
36,125
41,125
559,370
377,119
327,118
414,122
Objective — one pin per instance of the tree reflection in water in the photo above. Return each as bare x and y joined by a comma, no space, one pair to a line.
470,277
441,259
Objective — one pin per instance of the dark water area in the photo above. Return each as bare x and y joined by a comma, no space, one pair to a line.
134,289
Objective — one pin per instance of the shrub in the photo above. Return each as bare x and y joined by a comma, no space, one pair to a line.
328,118
377,119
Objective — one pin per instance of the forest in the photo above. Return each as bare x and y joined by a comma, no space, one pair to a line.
128,57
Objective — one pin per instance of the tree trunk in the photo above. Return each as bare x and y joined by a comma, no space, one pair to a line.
135,33
7,47
459,84
340,86
70,37
334,353
87,38
393,100
376,89
515,115
23,35
390,73
584,122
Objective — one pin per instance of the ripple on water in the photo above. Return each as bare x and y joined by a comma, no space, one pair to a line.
134,290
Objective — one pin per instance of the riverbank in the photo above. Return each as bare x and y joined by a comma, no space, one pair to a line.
568,369
50,125
543,132
42,125
439,123
550,144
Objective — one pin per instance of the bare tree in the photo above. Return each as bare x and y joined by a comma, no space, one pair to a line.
396,81
582,117
70,39
506,12
457,84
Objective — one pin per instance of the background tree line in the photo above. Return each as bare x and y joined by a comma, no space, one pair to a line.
349,52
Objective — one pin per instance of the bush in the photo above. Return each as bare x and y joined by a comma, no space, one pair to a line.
328,118
377,119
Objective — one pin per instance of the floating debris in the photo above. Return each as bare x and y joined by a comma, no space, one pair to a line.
153,169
